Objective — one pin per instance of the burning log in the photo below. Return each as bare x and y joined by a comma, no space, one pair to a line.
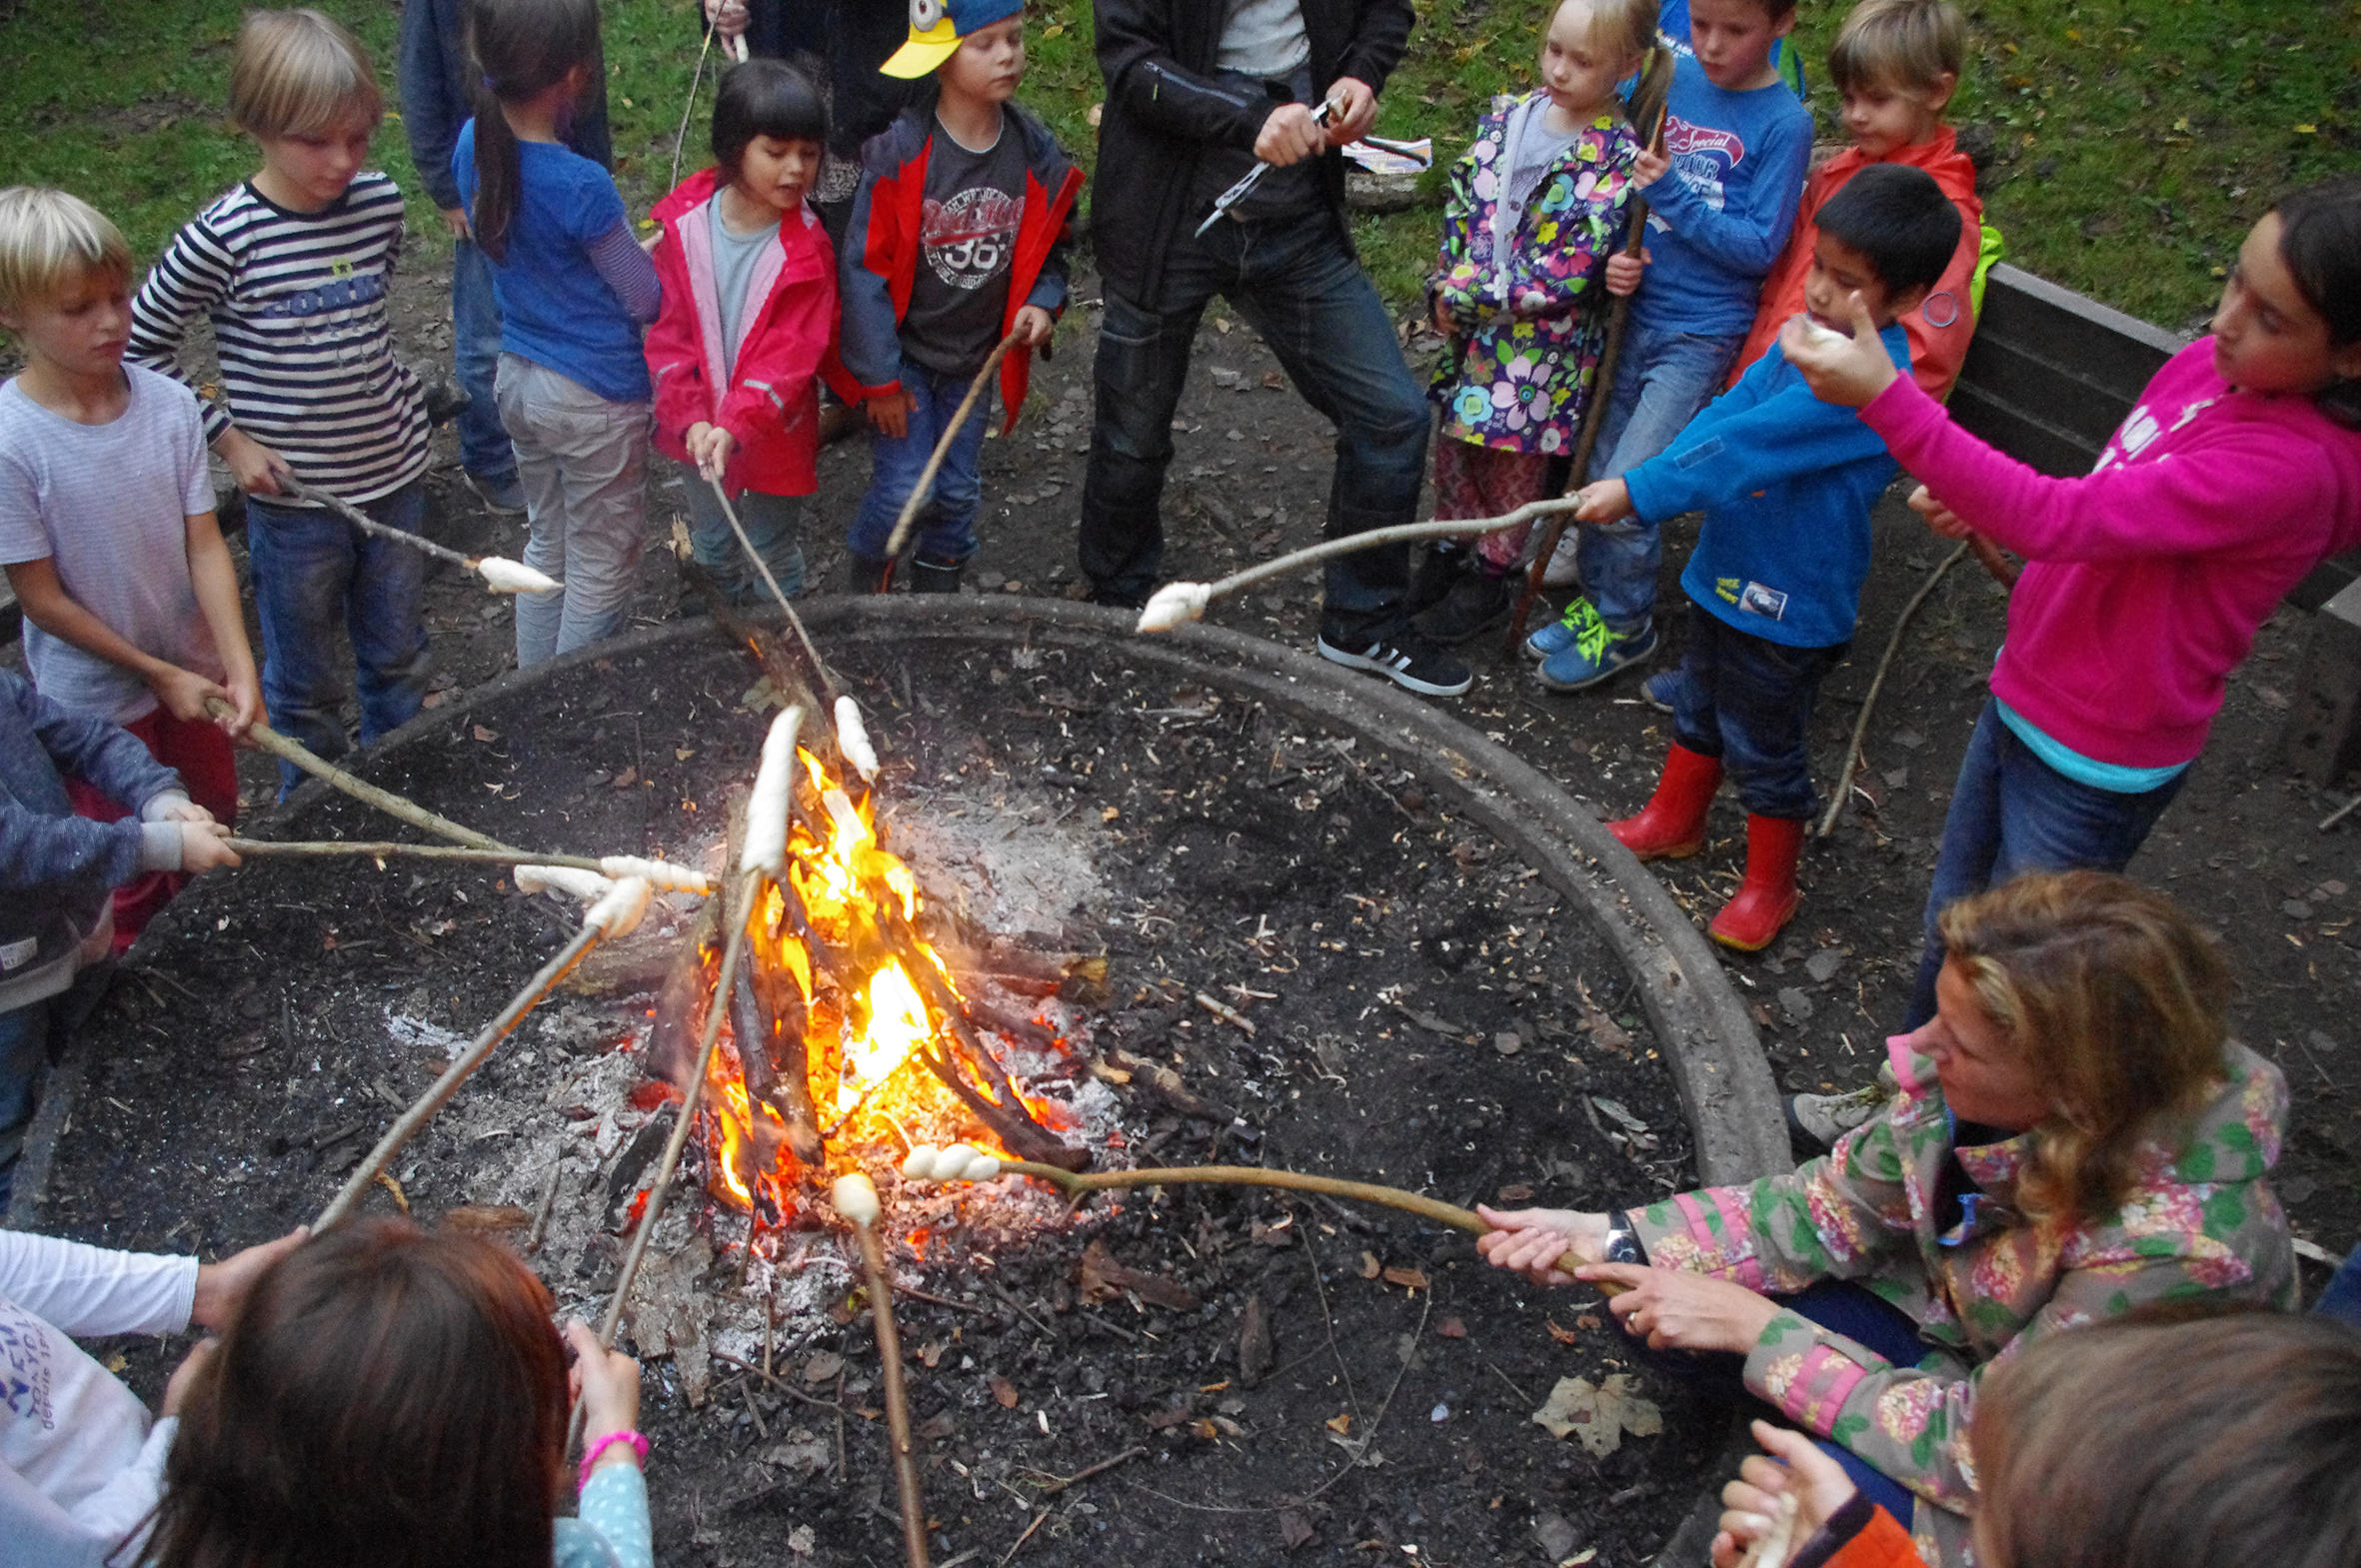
768,1018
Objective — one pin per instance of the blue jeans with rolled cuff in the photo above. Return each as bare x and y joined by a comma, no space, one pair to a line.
770,523
1296,282
1661,380
314,571
945,526
1748,701
2012,813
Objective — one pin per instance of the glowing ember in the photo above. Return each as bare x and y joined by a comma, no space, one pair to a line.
897,1024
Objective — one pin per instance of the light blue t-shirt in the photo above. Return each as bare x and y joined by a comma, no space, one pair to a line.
554,308
734,255
2110,777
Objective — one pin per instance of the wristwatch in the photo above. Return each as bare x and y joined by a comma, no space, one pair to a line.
1622,1246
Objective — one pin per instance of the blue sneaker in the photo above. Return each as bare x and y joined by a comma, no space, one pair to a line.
1658,691
501,494
1594,651
1561,633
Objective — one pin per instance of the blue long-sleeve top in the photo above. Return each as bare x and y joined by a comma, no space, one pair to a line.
1719,216
1786,482
434,77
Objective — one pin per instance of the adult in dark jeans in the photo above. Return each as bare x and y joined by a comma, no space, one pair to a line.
1197,92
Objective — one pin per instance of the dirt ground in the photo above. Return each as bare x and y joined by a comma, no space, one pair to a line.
2239,847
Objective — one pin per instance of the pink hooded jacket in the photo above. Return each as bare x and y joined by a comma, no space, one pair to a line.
2146,578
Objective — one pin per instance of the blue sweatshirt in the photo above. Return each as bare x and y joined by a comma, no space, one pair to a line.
1786,482
1719,216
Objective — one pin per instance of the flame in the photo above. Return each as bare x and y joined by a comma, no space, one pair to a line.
897,1026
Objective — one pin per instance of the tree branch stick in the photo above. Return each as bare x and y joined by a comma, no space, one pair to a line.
905,1462
418,1114
819,665
416,851
1394,534
925,485
1894,644
680,137
369,524
385,800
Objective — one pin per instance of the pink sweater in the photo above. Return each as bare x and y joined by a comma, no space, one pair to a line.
2146,578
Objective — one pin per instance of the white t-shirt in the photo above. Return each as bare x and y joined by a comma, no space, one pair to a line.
109,505
1264,38
80,1468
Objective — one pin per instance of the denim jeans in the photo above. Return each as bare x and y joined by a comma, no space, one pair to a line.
475,354
24,1059
770,523
1297,284
1748,701
945,527
583,461
2342,1300
314,570
2012,813
1838,1304
1661,380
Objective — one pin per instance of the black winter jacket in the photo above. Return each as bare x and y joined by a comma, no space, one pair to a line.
1164,108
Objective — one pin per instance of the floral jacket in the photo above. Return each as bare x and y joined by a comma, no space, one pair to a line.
1977,1277
1531,323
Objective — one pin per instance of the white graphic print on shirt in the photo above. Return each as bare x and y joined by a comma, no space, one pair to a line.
969,239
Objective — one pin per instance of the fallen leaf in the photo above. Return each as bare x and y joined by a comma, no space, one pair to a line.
1516,1193
1003,1391
1181,1413
823,1367
1603,1029
1204,1428
1341,1424
626,778
1295,1530
1586,1320
1564,1336
470,1219
483,734
683,754
1102,1279
937,1427
1601,1414
1407,1278
1370,1268
932,1354
1452,1328
116,1363
1109,815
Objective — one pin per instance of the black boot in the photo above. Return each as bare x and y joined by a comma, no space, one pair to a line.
1432,575
864,575
925,577
1477,603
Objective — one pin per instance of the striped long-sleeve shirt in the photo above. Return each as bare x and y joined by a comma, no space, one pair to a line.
298,306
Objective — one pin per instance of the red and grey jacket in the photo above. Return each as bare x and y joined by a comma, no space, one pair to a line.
881,242
769,403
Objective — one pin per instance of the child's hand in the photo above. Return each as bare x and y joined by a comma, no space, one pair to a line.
1939,518
890,413
1650,165
1444,322
1533,1241
455,221
184,694
1624,271
1033,326
184,1376
1846,371
1797,1465
254,465
608,1384
221,1286
1603,502
710,448
202,850
244,691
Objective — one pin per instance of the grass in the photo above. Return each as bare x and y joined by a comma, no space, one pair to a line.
2135,140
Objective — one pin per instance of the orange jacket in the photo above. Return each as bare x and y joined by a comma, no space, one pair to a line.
1941,327
1859,1535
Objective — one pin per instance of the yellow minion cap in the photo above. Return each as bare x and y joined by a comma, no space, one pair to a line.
924,51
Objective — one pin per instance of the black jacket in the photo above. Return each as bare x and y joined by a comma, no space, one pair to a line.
1164,108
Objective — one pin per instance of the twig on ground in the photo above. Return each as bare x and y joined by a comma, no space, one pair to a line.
780,1384
1101,1468
385,800
549,1202
1894,644
1227,1013
1020,1540
1328,1323
925,488
2340,813
1512,1383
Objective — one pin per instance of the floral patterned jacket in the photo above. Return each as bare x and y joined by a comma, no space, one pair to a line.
2200,1222
1531,324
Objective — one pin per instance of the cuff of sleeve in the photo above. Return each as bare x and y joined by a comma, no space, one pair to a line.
1897,410
159,846
1808,1372
1839,1532
161,802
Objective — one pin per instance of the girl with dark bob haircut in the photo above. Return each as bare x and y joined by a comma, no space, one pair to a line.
394,1399
765,98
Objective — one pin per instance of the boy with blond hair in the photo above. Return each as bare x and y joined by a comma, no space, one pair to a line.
292,268
1896,65
109,541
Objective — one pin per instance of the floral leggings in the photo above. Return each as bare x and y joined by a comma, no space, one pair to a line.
1482,482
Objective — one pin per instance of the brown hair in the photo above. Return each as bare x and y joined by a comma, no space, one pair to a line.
297,73
522,49
386,1399
2114,999
1898,43
2220,1442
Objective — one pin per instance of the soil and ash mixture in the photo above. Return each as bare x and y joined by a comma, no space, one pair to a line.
1288,1376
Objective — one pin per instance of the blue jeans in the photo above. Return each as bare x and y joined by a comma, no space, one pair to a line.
582,462
1661,380
1836,1305
2342,1300
770,523
1297,284
475,354
2012,813
1748,701
24,1059
945,528
312,571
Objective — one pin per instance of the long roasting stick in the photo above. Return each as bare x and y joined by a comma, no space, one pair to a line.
1893,644
820,667
662,873
500,573
385,800
857,1200
925,485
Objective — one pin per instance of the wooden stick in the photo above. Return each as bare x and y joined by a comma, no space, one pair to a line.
819,666
905,1462
369,524
680,137
1894,644
433,1099
416,851
1393,534
386,801
925,485
1651,90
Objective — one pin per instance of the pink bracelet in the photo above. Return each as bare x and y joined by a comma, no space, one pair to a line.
639,1446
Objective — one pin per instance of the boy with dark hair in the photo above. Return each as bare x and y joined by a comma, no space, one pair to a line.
1722,198
1786,484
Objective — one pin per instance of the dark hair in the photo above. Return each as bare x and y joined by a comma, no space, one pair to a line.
765,98
386,1399
522,49
2230,1441
2320,241
1900,220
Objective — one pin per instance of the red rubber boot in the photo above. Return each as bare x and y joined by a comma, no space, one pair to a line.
1766,900
1671,826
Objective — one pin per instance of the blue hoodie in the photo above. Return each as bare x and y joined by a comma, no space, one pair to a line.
1786,482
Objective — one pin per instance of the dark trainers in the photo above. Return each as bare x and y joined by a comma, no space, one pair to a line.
1596,652
1476,602
1658,691
501,494
1432,577
1408,661
927,577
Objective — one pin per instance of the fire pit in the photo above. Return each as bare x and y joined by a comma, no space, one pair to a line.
1160,903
